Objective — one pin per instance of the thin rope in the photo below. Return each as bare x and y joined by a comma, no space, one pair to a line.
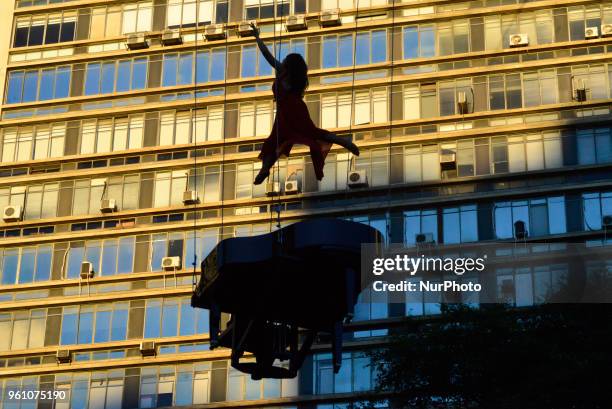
275,86
349,156
222,169
390,116
195,147
280,48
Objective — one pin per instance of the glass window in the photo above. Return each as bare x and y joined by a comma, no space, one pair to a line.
37,31
139,73
460,224
43,263
158,250
123,75
576,23
10,263
445,39
126,255
202,66
362,48
15,85
586,147
26,268
30,86
222,11
22,30
86,318
62,82
47,80
461,37
345,50
170,65
330,51
92,79
103,321
379,46
119,323
531,89
217,66
169,318
411,42
68,29
447,98
152,319
420,221
108,77
184,69
513,91
76,254
427,41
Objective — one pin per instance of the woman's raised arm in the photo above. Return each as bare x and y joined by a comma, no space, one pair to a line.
264,49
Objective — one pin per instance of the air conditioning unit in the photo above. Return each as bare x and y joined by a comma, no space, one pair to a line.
330,18
424,238
295,23
137,41
580,91
462,104
292,187
190,197
62,356
12,213
357,178
607,222
87,270
606,30
448,161
245,29
147,348
519,40
171,37
520,230
272,189
214,32
171,263
108,205
591,32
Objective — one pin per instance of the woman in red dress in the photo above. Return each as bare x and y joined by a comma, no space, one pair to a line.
292,123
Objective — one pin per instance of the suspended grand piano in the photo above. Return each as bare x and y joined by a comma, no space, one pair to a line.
304,276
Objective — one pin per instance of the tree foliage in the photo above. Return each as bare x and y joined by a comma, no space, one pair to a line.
553,356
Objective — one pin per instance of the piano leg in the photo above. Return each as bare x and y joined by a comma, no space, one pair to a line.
337,345
214,316
350,296
297,359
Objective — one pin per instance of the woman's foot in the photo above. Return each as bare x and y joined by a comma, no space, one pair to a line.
261,176
345,143
352,148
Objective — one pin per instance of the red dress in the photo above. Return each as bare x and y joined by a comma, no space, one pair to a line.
293,125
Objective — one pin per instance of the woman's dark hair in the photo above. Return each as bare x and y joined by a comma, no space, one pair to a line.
297,72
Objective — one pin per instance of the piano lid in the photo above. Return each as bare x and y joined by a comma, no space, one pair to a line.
297,275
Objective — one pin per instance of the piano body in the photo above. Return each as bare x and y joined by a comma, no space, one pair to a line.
281,287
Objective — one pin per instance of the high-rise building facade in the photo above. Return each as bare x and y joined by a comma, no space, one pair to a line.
470,116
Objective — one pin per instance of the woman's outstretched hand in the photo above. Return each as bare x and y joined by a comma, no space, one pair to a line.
255,30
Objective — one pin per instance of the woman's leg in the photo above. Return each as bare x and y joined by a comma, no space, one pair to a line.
317,161
345,143
266,164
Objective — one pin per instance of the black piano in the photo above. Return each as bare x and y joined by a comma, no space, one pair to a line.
281,288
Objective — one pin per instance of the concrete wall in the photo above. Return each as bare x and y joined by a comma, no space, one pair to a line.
6,25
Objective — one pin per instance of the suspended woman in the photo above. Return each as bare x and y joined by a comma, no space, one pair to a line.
292,123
